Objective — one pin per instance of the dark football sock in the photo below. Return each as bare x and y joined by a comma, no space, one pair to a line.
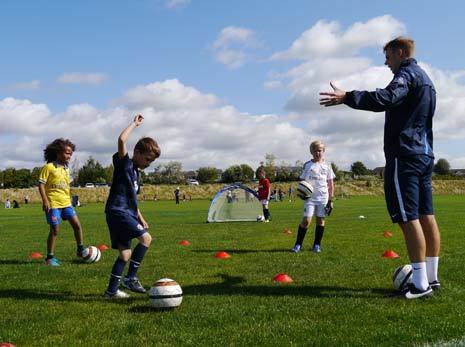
301,235
136,258
319,230
115,277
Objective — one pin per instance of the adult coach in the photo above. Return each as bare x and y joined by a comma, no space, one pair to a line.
409,102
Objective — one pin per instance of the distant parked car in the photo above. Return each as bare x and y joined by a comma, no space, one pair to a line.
192,182
90,185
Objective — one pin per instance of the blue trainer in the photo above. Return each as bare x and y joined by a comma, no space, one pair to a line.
316,248
52,262
296,248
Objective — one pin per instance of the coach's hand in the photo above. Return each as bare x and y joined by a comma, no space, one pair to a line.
329,207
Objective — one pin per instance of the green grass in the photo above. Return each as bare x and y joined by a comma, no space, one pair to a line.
337,297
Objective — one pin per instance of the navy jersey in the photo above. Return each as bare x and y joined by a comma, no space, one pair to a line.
125,186
409,102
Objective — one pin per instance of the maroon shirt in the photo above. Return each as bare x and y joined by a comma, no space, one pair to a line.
263,189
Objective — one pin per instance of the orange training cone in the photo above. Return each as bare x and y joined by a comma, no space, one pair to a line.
102,247
390,254
287,232
387,233
222,255
35,255
184,243
282,278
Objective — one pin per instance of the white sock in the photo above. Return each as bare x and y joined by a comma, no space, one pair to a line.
432,268
419,276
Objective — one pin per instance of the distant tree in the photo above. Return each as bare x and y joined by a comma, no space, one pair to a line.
270,166
109,173
23,179
336,170
207,174
232,174
442,167
35,173
9,177
284,173
170,173
247,173
91,172
359,169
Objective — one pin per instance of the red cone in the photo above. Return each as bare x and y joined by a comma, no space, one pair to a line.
34,256
282,278
184,243
387,233
390,254
6,344
102,247
222,255
287,232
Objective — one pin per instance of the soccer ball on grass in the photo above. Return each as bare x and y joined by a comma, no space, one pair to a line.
165,294
402,276
91,254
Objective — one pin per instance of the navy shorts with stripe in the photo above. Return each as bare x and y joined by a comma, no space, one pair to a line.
123,228
408,187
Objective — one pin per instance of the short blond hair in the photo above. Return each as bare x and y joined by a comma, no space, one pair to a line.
316,144
403,43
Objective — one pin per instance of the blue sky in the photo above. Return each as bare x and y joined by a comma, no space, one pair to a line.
220,82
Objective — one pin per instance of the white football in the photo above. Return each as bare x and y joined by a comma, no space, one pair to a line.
165,293
91,254
304,190
402,276
260,218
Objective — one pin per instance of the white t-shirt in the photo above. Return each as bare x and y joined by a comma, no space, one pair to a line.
318,175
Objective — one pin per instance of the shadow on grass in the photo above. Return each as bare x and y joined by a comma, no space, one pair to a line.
64,296
230,285
234,285
244,251
17,262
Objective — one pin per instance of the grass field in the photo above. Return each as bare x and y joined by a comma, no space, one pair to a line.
337,297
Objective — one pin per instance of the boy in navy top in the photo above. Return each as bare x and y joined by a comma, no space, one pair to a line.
409,103
124,219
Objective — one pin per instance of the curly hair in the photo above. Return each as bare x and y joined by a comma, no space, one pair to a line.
57,146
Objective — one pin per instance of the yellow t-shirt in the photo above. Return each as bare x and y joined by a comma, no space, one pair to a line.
55,177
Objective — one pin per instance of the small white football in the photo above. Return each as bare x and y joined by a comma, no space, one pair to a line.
402,276
165,293
91,254
304,190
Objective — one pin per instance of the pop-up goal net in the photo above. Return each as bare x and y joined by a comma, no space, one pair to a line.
235,203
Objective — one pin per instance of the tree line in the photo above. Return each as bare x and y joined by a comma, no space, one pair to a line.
172,173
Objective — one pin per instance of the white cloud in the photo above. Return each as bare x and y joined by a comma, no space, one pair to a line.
325,39
25,86
92,78
172,4
190,126
330,54
233,46
272,84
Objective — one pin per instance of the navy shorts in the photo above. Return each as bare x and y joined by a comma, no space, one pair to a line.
408,187
123,228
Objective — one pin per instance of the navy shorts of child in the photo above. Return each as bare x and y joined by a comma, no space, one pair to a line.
123,228
408,187
55,214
